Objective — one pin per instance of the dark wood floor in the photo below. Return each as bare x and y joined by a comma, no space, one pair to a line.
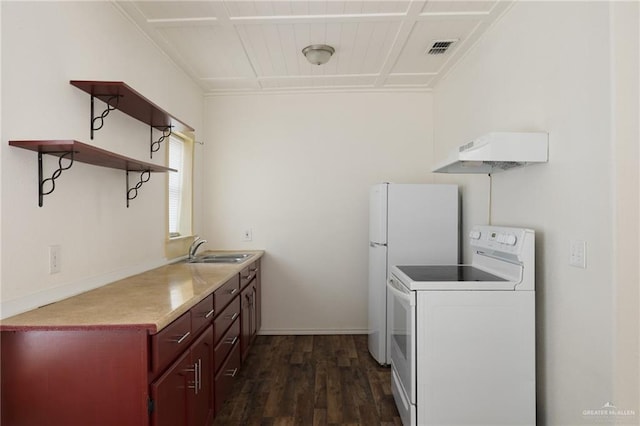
311,380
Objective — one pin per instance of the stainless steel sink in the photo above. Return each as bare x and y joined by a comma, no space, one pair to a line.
221,258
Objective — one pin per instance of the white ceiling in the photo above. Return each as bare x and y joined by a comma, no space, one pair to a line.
237,46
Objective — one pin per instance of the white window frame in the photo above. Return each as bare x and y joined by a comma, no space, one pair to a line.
178,245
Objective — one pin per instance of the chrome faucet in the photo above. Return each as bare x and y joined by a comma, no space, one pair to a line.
195,245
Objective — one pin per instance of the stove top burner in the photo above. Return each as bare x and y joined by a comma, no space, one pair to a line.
452,273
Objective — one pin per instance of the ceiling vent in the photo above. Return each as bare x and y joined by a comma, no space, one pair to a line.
440,47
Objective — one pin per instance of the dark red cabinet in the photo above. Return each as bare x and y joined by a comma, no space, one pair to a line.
226,376
250,306
183,395
122,375
74,377
169,342
169,395
200,389
248,318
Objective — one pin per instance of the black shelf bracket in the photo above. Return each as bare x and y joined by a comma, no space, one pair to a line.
65,155
155,145
98,122
133,191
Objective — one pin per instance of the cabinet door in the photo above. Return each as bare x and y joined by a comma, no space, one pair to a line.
170,392
258,298
200,401
253,325
246,320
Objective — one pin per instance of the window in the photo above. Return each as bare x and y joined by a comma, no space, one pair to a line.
179,194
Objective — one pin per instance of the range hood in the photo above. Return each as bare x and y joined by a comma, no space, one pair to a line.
497,151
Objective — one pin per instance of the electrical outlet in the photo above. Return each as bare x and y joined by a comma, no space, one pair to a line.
578,254
54,259
247,235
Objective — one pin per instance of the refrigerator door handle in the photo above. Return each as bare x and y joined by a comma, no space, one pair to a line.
372,244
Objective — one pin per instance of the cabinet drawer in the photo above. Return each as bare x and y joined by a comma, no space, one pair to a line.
248,274
224,295
226,377
202,314
227,343
170,341
225,319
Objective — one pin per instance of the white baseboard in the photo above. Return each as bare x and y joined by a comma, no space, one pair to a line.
13,307
307,332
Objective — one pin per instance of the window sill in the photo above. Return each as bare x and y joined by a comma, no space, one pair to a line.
178,246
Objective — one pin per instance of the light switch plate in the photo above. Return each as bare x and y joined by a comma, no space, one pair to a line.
578,254
247,234
54,259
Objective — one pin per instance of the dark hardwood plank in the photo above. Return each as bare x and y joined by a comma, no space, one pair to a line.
335,407
311,380
319,416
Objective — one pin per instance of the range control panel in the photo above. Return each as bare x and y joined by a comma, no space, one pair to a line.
498,238
508,252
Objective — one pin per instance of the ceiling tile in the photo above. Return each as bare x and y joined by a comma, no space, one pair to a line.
176,9
276,50
414,59
246,9
212,51
458,6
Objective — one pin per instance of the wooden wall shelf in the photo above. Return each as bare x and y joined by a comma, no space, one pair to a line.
72,150
118,95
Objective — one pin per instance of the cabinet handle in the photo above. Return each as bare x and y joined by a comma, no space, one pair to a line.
209,313
231,373
196,377
232,317
181,339
231,340
247,277
253,270
234,291
199,374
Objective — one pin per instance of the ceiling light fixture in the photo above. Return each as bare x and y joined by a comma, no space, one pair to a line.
318,54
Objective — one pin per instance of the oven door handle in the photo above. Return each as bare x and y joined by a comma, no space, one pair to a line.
400,291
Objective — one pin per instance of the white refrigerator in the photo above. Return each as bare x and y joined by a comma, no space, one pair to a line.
408,224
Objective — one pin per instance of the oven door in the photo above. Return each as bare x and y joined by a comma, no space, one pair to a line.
402,328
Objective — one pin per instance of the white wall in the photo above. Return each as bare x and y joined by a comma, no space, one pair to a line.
1,44
625,43
297,169
546,66
44,45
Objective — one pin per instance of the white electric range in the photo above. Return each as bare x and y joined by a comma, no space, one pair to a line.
463,336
